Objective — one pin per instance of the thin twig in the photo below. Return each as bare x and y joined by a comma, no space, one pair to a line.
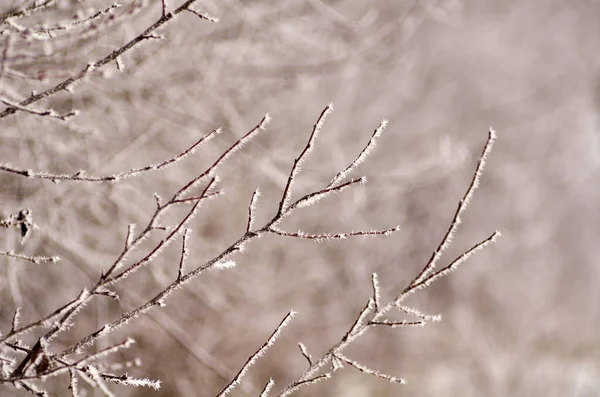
251,208
267,389
81,177
376,290
462,204
259,353
226,154
367,370
34,259
307,149
312,198
206,17
338,236
305,353
184,253
83,22
361,156
44,113
453,265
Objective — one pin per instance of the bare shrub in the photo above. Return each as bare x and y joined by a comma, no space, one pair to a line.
30,52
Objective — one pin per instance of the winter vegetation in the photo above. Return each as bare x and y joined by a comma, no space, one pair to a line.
164,235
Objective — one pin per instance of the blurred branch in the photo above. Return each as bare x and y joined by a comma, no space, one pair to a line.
23,220
17,13
84,22
44,113
67,84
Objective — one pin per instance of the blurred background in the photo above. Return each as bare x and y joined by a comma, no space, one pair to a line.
519,319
